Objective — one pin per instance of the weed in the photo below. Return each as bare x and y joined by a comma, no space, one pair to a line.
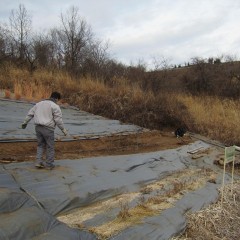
142,202
17,96
146,190
7,94
124,212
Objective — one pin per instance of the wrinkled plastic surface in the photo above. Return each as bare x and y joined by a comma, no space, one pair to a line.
32,197
22,217
172,221
78,123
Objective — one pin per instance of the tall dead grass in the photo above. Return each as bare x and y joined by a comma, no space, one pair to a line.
218,221
211,116
8,74
35,86
217,118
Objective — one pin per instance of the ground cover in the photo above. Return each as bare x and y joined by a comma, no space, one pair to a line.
116,213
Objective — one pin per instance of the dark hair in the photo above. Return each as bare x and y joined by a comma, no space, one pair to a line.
56,95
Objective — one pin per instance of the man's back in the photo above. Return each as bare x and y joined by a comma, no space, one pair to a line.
45,113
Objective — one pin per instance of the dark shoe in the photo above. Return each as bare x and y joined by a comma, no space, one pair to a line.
49,167
39,165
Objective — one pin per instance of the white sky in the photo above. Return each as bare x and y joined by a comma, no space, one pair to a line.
176,30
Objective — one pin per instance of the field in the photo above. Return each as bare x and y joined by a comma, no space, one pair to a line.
174,173
129,212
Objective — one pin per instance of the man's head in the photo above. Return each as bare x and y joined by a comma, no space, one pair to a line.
56,95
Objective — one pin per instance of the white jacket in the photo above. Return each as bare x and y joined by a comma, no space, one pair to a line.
46,113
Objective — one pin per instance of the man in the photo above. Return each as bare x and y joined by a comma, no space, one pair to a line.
47,114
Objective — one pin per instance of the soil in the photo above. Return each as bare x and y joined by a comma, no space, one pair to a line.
148,141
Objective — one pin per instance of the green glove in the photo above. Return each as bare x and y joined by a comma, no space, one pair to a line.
24,125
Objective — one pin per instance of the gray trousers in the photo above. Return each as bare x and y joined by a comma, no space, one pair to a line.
45,141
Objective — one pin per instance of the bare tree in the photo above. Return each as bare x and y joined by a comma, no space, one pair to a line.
20,31
2,44
160,63
74,38
97,59
43,49
57,48
6,44
156,79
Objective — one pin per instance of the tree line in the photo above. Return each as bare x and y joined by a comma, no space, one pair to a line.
72,47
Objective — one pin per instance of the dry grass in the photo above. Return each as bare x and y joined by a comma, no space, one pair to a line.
166,192
76,217
134,217
210,116
7,94
217,222
17,96
40,84
124,212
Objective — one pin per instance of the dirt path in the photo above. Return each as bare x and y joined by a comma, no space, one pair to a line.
113,145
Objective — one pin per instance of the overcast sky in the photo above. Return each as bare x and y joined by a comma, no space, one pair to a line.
176,30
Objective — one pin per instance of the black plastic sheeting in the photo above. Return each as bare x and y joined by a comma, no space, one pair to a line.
23,218
172,221
31,199
78,123
75,183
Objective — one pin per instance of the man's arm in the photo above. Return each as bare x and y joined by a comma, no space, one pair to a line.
29,116
57,116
